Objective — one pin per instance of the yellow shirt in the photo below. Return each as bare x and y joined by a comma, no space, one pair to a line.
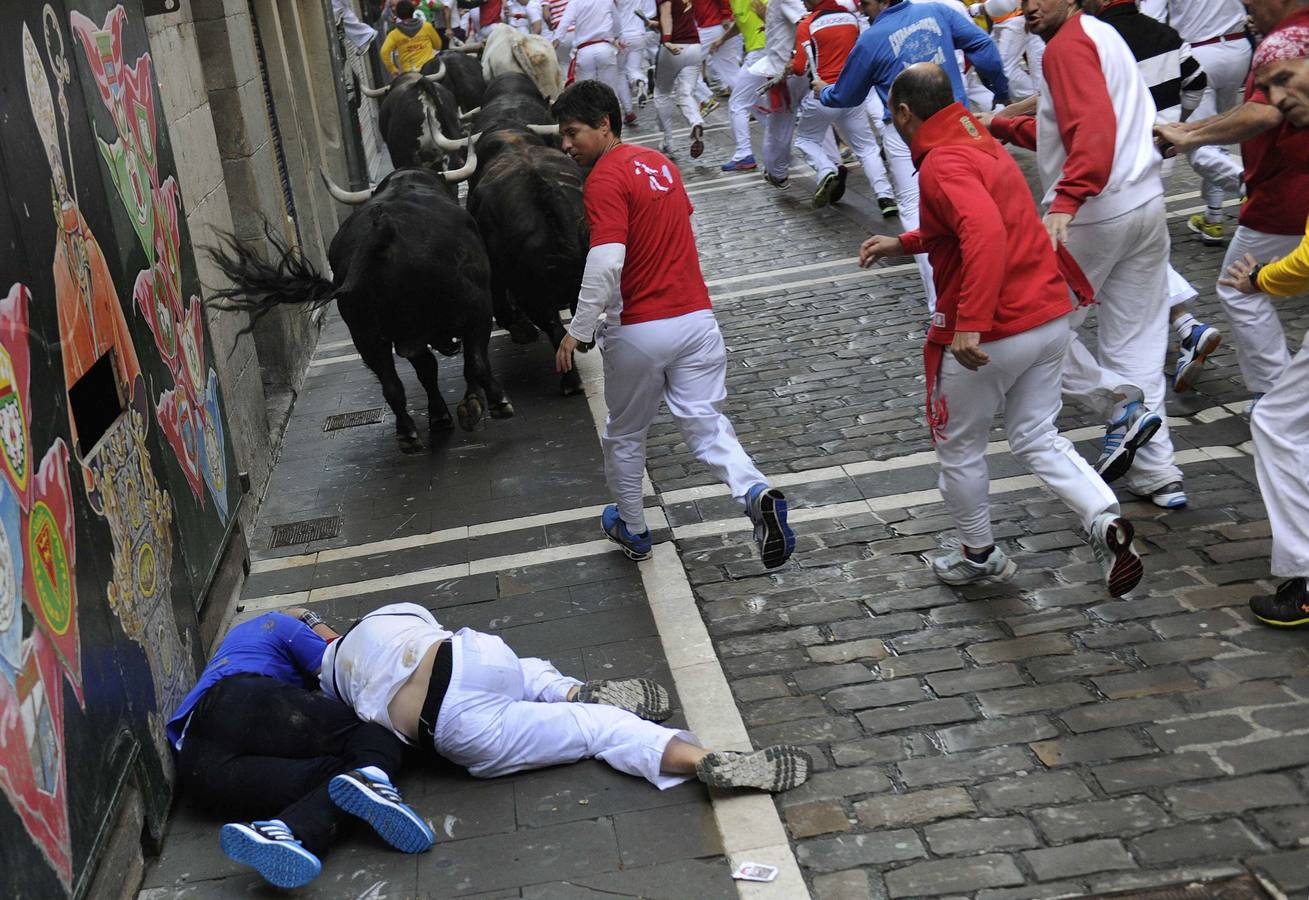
1290,274
749,24
412,53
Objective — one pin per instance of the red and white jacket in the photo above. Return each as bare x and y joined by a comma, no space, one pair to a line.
823,40
1093,130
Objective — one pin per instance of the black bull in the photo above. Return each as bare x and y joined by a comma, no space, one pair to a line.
409,272
414,112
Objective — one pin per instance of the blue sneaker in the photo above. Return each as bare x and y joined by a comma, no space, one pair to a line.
746,164
1199,344
1125,435
370,795
634,546
272,850
766,507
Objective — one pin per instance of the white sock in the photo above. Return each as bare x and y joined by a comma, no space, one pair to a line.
1213,214
1183,325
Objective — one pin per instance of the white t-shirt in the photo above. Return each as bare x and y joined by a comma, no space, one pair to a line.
523,15
368,666
592,20
1198,20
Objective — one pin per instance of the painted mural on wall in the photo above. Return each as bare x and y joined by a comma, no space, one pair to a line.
37,565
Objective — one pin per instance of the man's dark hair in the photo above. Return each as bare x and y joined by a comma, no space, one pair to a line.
924,88
404,10
589,102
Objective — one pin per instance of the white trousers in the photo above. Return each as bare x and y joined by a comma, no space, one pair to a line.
1126,260
722,64
675,78
1280,428
1225,65
811,133
503,714
1011,40
600,62
905,178
739,106
1260,342
1179,289
1022,379
683,362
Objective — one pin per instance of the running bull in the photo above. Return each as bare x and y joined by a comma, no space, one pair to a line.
416,111
409,272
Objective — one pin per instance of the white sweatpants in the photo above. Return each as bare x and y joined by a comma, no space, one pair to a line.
723,66
1260,342
739,106
1280,428
675,78
811,133
1225,65
1126,260
504,714
1022,379
904,175
600,62
778,127
683,362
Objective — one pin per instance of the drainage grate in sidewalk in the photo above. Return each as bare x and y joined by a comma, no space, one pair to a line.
351,419
1243,888
305,531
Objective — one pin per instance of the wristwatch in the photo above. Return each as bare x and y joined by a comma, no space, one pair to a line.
1254,275
311,618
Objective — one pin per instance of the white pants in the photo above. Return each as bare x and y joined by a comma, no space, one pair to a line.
779,127
683,362
599,62
1260,342
904,175
564,51
1225,65
1280,428
1179,289
675,78
1126,260
723,65
1013,42
503,714
634,61
1022,379
816,123
739,106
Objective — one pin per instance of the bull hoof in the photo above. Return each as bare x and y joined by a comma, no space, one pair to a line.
470,412
410,444
444,423
523,332
570,383
504,410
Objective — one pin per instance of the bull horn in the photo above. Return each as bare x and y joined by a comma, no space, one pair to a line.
341,195
376,92
447,145
439,74
471,114
470,47
465,172
544,130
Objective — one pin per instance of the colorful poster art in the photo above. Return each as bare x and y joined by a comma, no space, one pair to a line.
38,564
188,412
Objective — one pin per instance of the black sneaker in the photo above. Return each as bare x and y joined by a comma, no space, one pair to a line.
780,183
1288,608
823,195
777,768
640,696
842,173
890,209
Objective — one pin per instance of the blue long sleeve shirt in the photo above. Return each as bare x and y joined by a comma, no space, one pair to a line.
909,33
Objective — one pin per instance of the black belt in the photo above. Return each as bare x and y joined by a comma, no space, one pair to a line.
442,669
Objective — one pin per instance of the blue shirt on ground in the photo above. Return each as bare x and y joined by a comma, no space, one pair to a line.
273,644
909,33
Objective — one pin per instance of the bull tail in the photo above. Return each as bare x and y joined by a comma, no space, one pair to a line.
257,285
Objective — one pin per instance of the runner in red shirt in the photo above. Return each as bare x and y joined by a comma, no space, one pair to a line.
660,339
1002,310
677,69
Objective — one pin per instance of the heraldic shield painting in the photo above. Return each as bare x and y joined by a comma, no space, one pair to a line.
118,493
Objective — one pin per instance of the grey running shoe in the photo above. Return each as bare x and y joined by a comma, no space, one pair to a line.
641,696
1111,539
826,186
956,568
777,768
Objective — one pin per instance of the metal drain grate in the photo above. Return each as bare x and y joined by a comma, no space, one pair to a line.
303,532
351,419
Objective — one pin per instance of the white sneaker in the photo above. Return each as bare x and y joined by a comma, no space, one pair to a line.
956,568
1111,539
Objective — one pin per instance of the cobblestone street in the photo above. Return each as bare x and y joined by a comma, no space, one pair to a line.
1023,740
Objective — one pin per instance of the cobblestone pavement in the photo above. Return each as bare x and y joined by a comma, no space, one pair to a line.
1030,739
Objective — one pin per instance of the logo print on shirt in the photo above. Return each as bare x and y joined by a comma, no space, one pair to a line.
919,42
661,179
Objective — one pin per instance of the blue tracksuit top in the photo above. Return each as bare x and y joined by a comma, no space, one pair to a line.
909,33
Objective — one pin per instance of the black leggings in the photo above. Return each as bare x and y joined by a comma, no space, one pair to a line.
259,748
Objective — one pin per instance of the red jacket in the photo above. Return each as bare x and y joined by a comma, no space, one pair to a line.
824,39
992,263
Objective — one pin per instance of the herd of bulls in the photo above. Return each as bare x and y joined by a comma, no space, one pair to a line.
412,270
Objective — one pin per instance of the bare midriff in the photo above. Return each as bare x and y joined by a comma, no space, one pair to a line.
407,704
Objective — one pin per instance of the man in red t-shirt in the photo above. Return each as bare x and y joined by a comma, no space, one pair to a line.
1003,311
677,70
660,339
723,59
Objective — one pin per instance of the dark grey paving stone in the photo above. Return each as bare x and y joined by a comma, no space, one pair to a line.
686,831
547,638
391,562
709,879
590,789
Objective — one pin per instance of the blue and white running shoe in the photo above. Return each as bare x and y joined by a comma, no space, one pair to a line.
1199,344
766,507
272,850
635,546
370,795
1125,435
